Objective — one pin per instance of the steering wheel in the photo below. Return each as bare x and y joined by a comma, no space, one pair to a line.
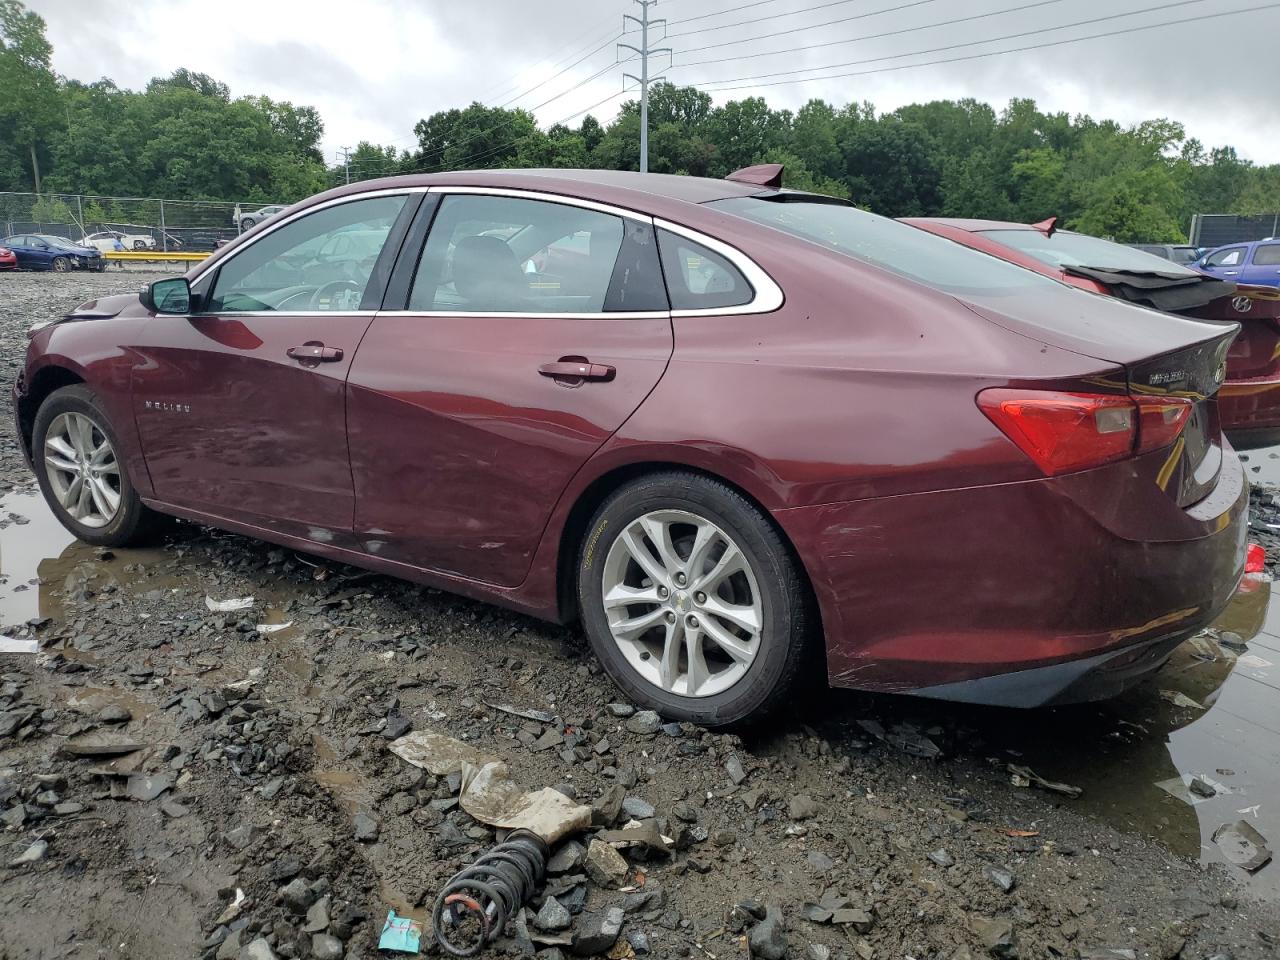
334,285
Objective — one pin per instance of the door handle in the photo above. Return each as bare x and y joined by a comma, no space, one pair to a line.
574,369
315,353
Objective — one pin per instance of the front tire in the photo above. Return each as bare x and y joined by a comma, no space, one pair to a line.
60,265
79,467
692,601
246,224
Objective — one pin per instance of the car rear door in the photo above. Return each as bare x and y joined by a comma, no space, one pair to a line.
528,331
241,406
1264,265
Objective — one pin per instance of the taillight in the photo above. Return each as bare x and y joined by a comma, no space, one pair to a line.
1063,431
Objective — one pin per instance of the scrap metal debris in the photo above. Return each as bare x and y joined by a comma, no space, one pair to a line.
1025,776
273,627
541,716
1242,845
228,606
19,645
473,908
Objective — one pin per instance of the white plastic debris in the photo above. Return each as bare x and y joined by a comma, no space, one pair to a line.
14,645
273,627
228,606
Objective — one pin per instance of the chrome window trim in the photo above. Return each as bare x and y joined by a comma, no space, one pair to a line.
271,226
281,313
531,315
768,295
517,194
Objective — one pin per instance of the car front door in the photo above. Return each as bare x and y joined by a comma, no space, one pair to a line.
1226,263
1264,265
241,405
530,331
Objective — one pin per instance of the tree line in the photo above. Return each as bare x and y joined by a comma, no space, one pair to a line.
185,137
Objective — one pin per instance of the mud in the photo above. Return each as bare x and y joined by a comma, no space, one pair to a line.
274,744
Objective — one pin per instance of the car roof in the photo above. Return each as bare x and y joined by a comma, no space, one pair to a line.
969,224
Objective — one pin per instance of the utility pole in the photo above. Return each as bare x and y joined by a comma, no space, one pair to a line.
346,161
644,51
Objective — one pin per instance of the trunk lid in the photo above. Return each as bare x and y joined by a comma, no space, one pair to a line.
1161,354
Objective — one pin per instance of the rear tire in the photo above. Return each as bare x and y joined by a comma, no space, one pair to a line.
716,634
71,440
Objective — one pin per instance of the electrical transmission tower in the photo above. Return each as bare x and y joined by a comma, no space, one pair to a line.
644,51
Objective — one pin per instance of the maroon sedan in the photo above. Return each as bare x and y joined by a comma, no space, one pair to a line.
730,428
1249,401
8,259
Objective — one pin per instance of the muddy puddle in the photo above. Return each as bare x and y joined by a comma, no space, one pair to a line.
1262,466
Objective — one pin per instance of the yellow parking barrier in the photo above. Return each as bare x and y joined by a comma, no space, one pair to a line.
154,255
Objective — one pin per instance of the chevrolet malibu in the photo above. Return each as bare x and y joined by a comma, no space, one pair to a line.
740,433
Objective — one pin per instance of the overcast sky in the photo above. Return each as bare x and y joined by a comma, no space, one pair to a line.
374,68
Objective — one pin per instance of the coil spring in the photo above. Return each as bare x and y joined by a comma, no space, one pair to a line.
490,891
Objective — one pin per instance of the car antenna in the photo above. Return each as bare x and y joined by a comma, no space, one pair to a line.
1047,227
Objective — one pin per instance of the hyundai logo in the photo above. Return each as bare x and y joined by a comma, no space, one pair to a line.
1242,304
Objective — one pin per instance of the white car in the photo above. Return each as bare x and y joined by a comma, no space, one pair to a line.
106,241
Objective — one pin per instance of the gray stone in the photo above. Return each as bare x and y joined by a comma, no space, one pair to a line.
259,949
240,837
644,723
146,788
860,920
33,854
942,858
803,807
767,939
325,947
100,744
621,710
568,857
1201,787
606,807
552,916
318,916
173,809
819,861
229,949
817,951
604,864
397,727
996,935
67,808
1002,877
637,808
297,895
733,767
598,932
685,811
639,942
114,713
365,827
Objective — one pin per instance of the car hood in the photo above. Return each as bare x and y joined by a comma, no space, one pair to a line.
72,248
104,307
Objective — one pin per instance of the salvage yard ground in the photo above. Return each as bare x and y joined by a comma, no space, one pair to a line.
265,770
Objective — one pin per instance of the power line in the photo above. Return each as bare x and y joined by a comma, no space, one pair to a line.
503,87
996,53
867,36
561,73
796,13
721,13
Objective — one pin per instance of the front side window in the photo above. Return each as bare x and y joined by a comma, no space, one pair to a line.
1267,255
321,261
698,278
490,254
1226,258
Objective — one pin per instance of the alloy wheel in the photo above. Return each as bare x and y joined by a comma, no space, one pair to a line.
82,469
61,265
682,602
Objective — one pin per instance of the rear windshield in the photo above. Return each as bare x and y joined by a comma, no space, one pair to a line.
907,251
1065,249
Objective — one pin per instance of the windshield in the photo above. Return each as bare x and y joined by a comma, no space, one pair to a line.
1065,249
905,250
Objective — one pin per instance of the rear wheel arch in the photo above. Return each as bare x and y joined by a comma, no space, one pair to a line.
601,488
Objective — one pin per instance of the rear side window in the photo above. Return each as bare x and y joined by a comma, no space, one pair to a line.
1267,255
698,278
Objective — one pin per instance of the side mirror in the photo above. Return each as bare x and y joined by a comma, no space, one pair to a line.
170,295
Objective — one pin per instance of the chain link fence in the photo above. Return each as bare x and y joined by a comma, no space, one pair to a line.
193,226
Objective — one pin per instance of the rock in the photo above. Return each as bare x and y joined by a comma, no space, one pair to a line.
724,838
606,807
860,920
637,808
146,788
325,947
816,913
1002,877
621,710
240,837
552,916
645,723
604,864
1201,787
803,807
942,858
100,744
114,713
684,811
259,949
1109,953
733,767
364,827
638,941
767,939
596,933
817,951
568,857
819,861
69,807
297,895
173,809
318,916
229,949
33,854
996,935
397,726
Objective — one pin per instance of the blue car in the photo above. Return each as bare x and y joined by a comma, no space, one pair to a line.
1255,262
37,251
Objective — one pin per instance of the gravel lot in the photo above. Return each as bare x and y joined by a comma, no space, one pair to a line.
265,769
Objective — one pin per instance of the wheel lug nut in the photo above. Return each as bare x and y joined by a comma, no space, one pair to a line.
700,597
680,579
662,593
693,621
671,618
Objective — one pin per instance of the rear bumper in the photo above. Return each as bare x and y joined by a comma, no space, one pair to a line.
1249,411
1020,594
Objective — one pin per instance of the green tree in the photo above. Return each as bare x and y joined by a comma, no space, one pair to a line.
28,107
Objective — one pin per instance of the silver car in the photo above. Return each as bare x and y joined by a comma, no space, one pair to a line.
246,220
